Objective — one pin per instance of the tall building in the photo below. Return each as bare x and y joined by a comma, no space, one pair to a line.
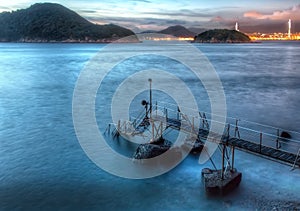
289,30
237,26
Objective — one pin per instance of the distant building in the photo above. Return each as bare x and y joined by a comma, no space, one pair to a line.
237,26
289,30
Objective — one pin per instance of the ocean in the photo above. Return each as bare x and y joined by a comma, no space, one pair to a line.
42,164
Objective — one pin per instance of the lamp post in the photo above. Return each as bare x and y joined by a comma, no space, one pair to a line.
150,83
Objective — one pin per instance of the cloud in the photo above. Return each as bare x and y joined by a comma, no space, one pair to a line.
4,8
180,13
138,21
253,14
140,17
293,13
144,1
217,19
88,11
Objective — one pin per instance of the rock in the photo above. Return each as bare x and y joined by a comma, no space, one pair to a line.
151,150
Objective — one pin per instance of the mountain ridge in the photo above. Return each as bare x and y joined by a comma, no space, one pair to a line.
51,22
178,31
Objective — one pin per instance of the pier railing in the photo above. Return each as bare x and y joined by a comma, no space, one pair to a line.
258,135
264,135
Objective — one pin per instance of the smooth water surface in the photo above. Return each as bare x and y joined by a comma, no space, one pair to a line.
43,166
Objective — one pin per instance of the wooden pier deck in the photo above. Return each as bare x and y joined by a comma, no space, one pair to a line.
265,151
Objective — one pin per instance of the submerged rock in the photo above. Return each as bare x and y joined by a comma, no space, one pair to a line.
145,151
153,149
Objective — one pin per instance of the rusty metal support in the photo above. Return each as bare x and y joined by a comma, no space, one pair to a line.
232,158
223,161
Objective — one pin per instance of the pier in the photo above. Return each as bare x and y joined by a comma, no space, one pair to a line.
260,140
162,117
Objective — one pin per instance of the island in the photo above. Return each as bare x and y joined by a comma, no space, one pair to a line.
49,22
178,31
222,36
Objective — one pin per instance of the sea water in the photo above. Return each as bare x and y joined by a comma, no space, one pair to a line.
42,164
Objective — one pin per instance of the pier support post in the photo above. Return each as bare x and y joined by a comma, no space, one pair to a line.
236,128
232,159
228,131
223,161
193,126
119,125
153,125
260,141
277,140
167,114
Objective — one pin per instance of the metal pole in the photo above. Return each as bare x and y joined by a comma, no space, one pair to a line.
152,130
236,127
260,141
232,161
277,140
161,129
146,107
228,130
223,160
119,125
150,82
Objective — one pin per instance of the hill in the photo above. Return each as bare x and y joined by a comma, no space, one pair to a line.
178,31
197,30
45,22
222,36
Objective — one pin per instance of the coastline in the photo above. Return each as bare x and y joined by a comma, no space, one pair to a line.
102,41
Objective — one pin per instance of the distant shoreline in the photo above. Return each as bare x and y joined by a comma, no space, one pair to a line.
132,42
72,42
216,43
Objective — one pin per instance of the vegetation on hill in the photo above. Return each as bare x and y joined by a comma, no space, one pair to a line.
53,22
222,36
178,31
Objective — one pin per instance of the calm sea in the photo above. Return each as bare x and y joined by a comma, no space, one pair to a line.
43,166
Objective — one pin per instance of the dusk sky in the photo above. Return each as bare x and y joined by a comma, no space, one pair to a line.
140,15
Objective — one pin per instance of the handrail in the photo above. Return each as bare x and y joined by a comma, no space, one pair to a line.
234,118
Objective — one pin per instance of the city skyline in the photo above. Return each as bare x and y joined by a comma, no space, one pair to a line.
140,15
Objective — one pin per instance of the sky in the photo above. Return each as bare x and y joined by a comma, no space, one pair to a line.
141,15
